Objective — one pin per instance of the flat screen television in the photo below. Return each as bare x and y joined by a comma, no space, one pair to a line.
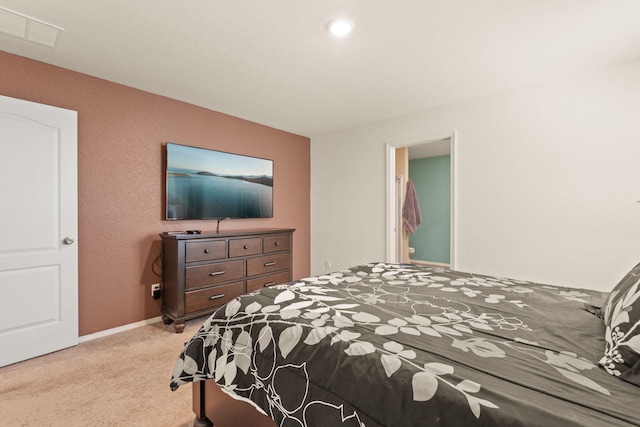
210,184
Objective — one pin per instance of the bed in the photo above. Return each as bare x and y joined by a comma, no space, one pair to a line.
402,345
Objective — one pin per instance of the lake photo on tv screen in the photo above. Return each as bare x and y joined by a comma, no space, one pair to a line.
208,184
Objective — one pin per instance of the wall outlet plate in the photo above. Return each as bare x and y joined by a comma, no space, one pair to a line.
155,290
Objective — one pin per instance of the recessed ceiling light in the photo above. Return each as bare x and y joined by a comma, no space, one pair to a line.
340,27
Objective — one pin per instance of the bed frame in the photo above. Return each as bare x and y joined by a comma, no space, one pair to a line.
213,407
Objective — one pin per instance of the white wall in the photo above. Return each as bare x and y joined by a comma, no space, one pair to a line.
548,179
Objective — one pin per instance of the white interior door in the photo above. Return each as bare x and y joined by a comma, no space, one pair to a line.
38,229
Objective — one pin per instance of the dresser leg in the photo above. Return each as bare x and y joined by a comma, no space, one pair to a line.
179,326
202,422
166,320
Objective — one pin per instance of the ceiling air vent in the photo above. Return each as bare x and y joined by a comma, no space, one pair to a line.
27,28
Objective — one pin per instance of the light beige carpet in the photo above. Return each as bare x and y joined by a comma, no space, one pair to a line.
118,380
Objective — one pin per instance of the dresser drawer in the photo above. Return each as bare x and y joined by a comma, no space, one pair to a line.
212,297
201,272
277,243
205,251
267,264
244,247
212,273
268,280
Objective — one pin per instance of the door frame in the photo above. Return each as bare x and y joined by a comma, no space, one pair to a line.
391,147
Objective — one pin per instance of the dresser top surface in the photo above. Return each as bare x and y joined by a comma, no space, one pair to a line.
182,235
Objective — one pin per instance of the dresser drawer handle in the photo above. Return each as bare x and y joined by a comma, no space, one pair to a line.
213,297
277,243
266,285
206,251
269,264
216,273
246,246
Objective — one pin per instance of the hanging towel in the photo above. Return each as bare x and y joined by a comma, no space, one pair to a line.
411,210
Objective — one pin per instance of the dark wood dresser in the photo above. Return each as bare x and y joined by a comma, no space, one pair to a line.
203,271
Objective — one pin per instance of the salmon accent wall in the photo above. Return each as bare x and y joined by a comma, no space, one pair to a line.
121,137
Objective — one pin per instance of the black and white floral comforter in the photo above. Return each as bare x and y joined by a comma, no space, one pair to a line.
401,345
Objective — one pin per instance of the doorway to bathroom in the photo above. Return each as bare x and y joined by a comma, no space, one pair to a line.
429,162
430,175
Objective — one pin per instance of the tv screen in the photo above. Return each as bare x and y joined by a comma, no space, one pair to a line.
209,184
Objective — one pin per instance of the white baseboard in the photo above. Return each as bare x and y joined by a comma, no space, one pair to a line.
122,328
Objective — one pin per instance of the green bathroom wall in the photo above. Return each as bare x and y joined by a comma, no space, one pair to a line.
432,179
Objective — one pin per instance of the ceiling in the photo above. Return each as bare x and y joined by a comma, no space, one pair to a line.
273,62
429,149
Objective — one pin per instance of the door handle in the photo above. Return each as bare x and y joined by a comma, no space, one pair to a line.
68,241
